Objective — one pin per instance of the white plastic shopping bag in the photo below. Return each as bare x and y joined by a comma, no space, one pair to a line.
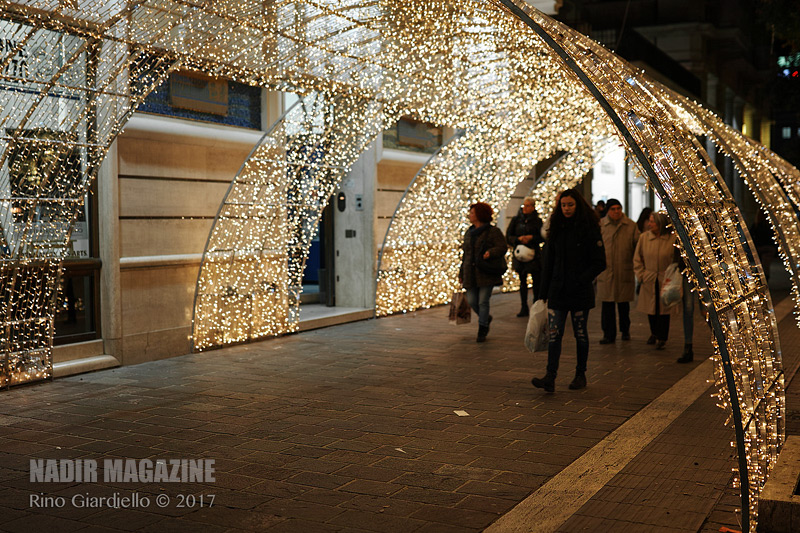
537,336
672,291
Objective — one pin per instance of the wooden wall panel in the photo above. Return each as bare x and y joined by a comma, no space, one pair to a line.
163,236
169,198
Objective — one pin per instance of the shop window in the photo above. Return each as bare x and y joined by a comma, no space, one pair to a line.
44,163
77,308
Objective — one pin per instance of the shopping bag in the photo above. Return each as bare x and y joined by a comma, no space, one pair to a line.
537,336
460,312
672,291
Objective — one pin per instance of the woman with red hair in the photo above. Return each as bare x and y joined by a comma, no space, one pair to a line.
482,242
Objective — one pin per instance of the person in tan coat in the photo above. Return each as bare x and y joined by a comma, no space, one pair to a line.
655,251
616,284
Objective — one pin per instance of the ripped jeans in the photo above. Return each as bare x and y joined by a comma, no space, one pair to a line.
557,319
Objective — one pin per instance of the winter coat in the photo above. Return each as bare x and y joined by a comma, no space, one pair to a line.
572,259
650,261
523,224
617,283
489,238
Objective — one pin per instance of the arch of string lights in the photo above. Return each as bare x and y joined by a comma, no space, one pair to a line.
64,96
520,87
252,270
714,242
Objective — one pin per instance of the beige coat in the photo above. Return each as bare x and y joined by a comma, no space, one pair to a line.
616,283
650,261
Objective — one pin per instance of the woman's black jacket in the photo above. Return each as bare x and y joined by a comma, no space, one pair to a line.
573,258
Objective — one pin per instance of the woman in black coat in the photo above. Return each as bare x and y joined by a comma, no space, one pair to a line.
573,257
482,242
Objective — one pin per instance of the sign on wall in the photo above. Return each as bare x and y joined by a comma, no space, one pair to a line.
198,92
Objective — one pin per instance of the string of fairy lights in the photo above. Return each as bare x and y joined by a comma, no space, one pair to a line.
71,77
251,275
762,173
714,241
63,98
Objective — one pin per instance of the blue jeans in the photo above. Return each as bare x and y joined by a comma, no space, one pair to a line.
557,318
478,300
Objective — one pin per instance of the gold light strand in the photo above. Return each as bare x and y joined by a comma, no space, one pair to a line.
737,288
64,98
464,64
251,275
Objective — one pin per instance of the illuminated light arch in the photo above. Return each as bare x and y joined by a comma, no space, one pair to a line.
251,275
772,182
419,256
421,252
568,172
727,274
565,173
66,95
490,76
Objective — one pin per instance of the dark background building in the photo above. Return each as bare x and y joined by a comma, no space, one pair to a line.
735,56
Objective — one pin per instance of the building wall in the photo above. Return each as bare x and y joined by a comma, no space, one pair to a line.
395,171
172,177
161,188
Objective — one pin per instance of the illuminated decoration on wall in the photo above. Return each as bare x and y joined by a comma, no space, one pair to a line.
252,271
519,93
63,99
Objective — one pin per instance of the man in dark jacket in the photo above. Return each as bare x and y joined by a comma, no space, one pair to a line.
526,229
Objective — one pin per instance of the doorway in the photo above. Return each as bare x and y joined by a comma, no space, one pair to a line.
319,276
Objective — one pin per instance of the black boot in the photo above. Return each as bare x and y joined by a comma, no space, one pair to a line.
482,332
579,382
524,311
688,354
548,382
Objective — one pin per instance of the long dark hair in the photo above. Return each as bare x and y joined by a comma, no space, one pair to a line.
643,217
584,217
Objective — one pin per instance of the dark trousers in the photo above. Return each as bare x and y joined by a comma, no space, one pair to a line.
659,326
523,286
556,319
608,319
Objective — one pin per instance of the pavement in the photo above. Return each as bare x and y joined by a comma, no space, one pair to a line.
400,424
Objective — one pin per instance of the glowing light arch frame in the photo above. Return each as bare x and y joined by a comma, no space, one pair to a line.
72,110
287,178
749,511
217,63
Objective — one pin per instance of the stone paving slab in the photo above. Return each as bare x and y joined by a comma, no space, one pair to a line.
353,428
